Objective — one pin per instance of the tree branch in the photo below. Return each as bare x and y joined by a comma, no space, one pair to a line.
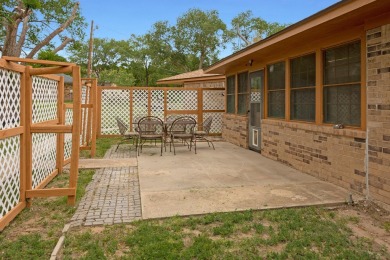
62,27
63,44
22,37
242,36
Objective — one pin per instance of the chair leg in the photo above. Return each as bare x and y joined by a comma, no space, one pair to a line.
161,147
195,144
173,143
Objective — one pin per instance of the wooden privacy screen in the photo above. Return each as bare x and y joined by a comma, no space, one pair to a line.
132,103
33,130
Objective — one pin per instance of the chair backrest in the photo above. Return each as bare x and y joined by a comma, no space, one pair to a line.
121,125
184,124
207,124
150,125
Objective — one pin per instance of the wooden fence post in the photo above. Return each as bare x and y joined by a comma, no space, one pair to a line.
61,121
74,163
27,131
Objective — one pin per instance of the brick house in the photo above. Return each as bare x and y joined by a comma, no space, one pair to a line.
316,96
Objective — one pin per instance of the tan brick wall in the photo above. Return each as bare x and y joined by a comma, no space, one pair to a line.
334,155
235,129
378,118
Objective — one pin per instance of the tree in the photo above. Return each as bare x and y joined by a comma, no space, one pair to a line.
247,29
30,25
198,33
111,60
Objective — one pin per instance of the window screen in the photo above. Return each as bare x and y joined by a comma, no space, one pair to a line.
230,94
302,82
276,90
243,93
342,86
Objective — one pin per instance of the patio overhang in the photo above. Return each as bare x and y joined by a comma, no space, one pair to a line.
193,76
344,15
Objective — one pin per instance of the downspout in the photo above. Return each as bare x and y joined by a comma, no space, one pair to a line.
366,167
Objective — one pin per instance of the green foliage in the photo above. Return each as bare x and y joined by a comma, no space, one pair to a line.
201,34
247,29
50,55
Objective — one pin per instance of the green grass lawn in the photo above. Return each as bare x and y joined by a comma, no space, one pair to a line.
36,230
305,233
34,233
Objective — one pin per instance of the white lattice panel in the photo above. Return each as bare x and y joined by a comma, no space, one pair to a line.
68,137
115,103
67,146
256,96
9,99
216,126
84,96
68,116
84,120
140,103
182,100
213,100
44,100
9,174
157,103
44,157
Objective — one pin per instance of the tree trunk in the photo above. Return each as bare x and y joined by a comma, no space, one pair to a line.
63,44
201,59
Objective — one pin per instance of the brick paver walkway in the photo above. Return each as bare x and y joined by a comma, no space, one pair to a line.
113,195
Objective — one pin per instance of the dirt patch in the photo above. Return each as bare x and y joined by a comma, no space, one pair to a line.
368,220
97,230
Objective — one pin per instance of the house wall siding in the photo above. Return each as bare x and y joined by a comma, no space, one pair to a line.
378,118
213,84
235,129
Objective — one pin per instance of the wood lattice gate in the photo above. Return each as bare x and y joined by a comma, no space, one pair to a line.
33,127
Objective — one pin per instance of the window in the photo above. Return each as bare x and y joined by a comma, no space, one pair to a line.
243,93
342,86
231,90
276,90
302,83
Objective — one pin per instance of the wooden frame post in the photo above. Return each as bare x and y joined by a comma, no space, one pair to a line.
74,166
61,121
27,132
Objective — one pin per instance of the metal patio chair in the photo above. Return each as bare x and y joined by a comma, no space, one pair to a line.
126,134
150,128
182,129
202,135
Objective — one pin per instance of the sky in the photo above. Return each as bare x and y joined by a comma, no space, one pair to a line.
118,19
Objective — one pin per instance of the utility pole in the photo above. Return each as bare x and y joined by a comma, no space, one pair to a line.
89,72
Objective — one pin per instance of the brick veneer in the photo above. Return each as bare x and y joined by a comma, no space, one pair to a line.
334,155
378,118
235,129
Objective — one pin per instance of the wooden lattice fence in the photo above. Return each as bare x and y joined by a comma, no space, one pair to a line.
36,138
131,103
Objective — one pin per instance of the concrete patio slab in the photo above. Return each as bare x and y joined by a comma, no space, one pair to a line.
229,178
